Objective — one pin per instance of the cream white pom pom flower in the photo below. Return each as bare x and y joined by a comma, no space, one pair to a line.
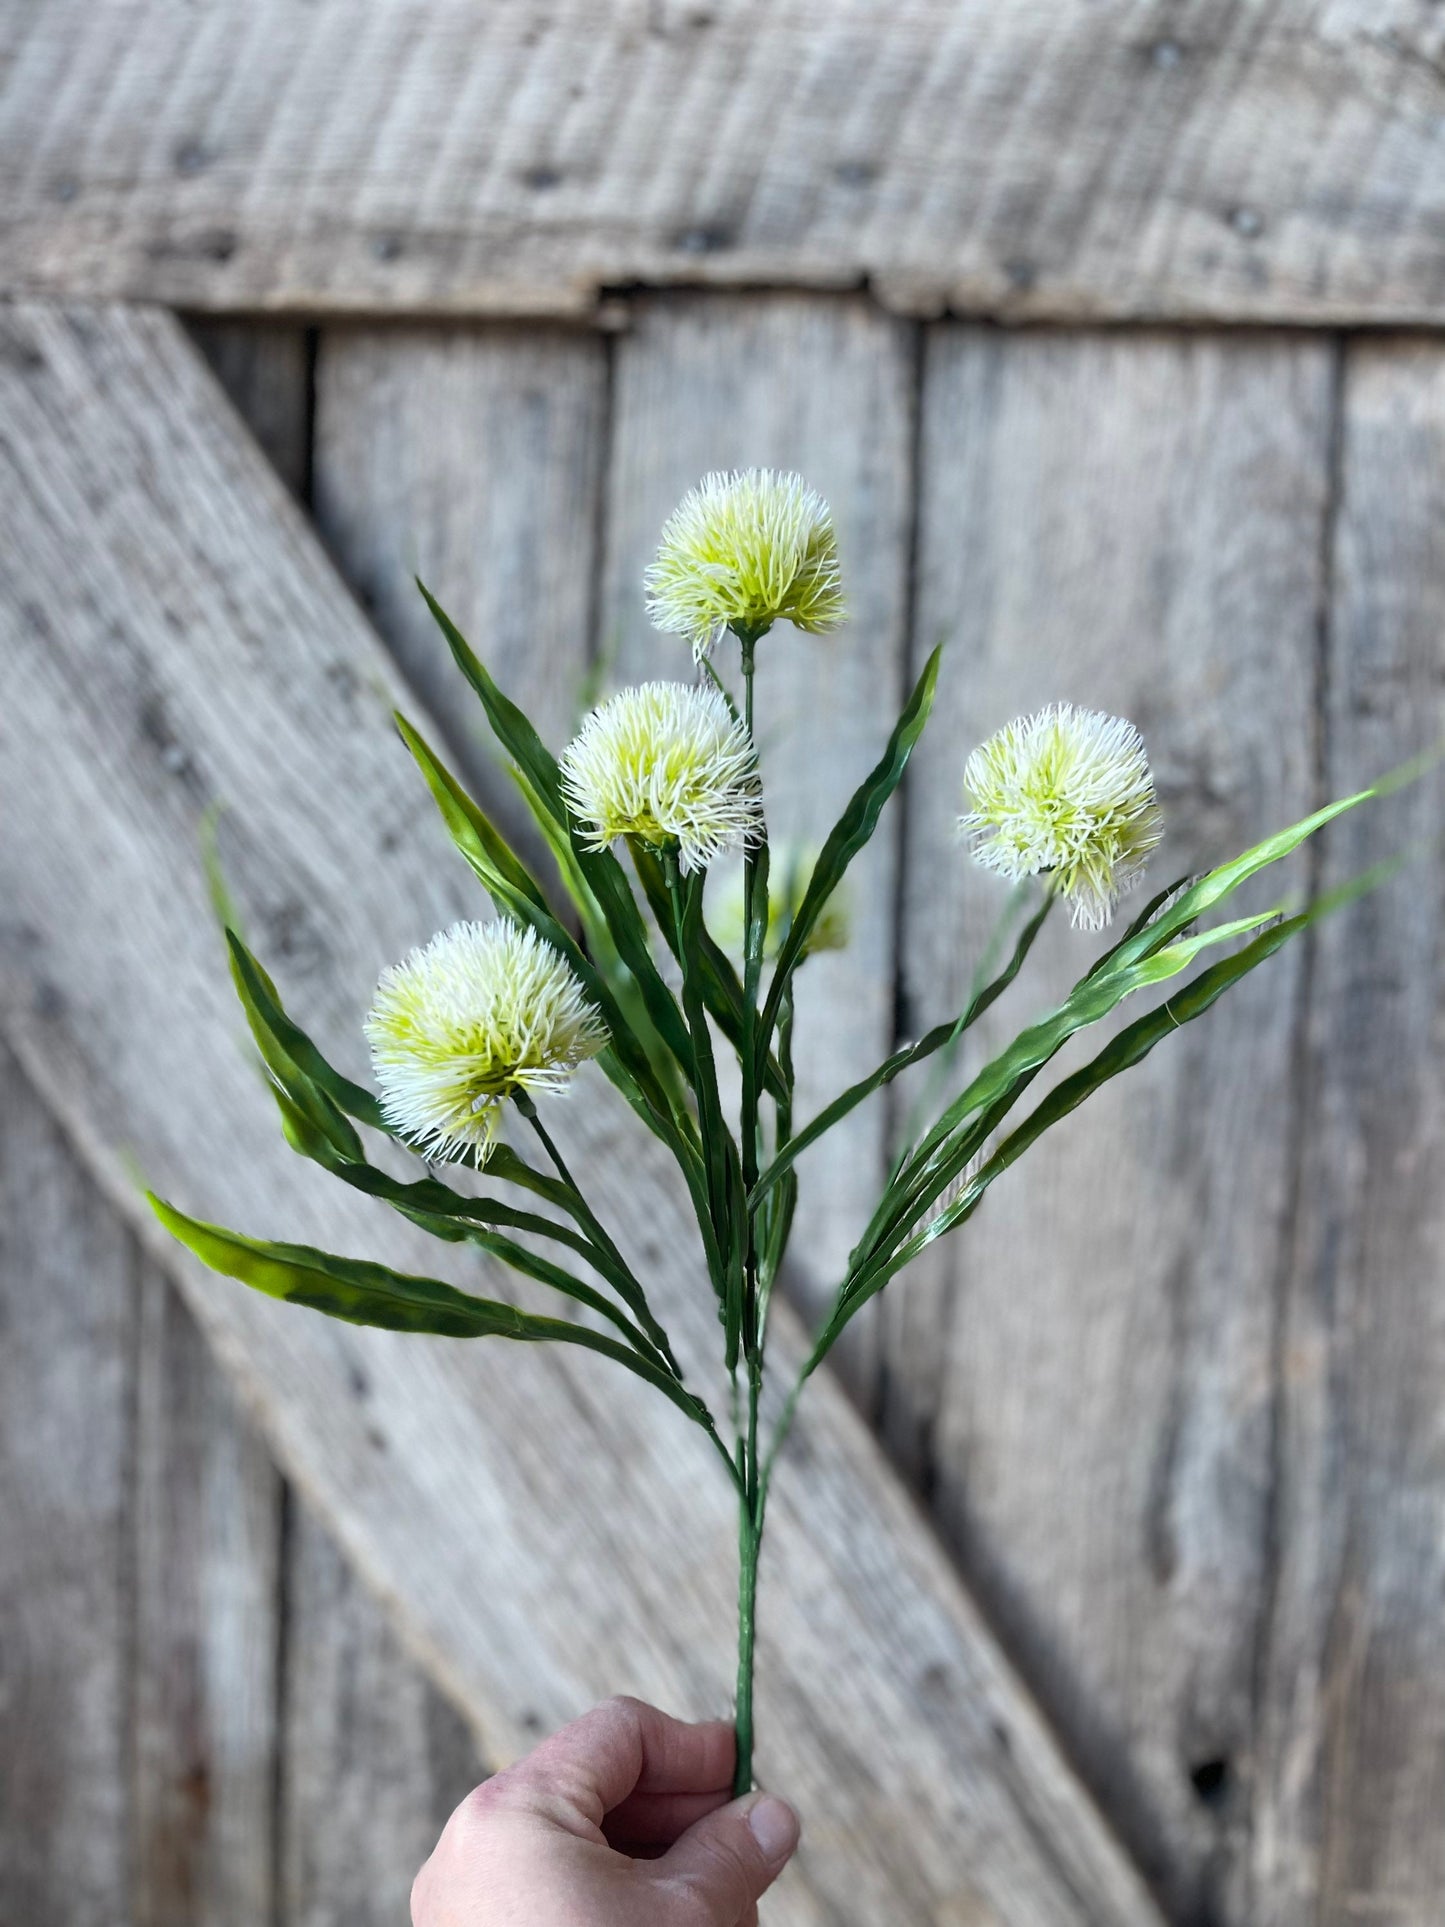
670,764
1067,792
481,1013
742,551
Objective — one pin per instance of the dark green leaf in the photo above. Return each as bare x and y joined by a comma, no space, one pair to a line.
848,836
363,1293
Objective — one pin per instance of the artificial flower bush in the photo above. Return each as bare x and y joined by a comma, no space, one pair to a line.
659,785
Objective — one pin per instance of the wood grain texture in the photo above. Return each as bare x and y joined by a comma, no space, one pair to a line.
824,387
67,1355
1352,1778
204,1644
1080,1380
472,459
545,1532
375,1759
1278,161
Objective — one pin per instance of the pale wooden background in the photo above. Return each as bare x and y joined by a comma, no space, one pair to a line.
1174,1404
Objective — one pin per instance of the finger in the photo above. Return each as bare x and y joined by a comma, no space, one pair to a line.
730,1858
657,1819
622,1747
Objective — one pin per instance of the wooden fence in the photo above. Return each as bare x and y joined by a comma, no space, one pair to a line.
1113,1588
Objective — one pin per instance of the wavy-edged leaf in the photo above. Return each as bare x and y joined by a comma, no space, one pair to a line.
901,1059
363,1293
848,836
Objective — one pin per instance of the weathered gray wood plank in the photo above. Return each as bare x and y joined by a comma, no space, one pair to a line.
375,1758
547,1532
203,1648
472,459
1352,1781
824,387
1278,161
1081,1379
67,1355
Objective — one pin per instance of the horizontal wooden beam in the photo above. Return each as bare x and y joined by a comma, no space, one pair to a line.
546,1529
1275,161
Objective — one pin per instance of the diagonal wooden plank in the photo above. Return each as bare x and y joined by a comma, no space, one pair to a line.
1352,1770
836,404
1081,1380
1277,161
546,1533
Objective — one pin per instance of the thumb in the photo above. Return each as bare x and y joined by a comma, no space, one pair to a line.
730,1857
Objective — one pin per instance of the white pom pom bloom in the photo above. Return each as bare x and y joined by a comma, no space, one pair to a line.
1067,792
481,1013
742,551
667,763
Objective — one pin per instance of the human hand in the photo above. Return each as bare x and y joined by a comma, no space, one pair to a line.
623,1819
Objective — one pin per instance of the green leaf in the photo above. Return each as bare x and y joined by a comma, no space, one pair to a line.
510,726
485,848
1129,1048
721,989
915,1053
322,1094
848,836
943,1152
362,1293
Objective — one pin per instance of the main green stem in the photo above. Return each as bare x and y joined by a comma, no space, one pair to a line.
750,1540
750,1499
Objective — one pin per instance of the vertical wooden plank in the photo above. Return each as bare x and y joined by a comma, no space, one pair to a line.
375,1758
1353,1772
265,368
470,458
1081,1379
204,1653
67,1345
824,387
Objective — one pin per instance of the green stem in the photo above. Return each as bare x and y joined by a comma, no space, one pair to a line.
750,1541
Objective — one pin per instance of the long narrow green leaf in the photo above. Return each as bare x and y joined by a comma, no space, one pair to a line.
509,724
479,840
295,1062
848,836
1130,1047
941,1155
721,988
362,1293
901,1059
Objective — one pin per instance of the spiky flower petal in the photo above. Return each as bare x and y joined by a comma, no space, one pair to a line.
670,764
789,871
1068,792
742,551
482,1012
